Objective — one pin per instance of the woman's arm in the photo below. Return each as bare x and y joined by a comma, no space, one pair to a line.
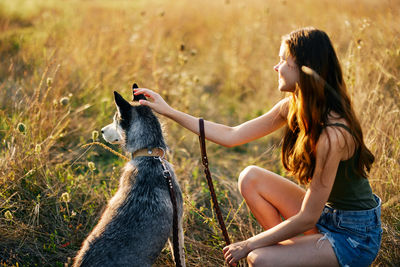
328,156
219,133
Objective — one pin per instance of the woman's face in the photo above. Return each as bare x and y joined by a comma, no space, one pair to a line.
288,71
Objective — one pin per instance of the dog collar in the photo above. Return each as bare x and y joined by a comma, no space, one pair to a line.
149,152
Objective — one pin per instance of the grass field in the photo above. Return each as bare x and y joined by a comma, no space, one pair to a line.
61,61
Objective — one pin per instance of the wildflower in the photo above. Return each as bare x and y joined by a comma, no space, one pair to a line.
49,81
30,172
182,59
95,135
134,37
21,127
65,197
8,215
193,52
64,101
38,149
91,165
359,43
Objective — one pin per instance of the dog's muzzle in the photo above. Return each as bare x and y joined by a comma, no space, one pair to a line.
112,133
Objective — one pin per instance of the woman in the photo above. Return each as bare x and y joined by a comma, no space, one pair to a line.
336,221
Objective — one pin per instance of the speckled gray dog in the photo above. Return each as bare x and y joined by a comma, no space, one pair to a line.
138,220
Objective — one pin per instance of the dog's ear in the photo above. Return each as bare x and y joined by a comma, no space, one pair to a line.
137,97
123,106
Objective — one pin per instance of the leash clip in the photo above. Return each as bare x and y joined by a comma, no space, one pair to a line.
161,158
166,174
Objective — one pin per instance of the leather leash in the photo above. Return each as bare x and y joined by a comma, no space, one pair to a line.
209,181
175,231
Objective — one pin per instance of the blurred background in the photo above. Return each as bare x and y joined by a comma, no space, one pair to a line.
62,60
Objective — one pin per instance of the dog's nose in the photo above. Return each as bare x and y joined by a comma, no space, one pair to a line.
102,131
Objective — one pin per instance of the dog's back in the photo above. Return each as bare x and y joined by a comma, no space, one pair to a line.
137,221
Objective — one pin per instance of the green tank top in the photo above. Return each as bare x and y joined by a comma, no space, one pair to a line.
350,190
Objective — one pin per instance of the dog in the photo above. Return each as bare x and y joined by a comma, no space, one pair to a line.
138,220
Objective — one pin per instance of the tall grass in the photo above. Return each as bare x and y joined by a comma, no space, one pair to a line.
60,62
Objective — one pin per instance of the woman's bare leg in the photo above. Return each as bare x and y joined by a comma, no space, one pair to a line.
301,251
269,195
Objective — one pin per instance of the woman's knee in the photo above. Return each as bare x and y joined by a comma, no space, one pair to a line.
247,178
257,259
251,258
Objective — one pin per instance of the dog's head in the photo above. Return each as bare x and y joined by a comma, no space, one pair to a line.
134,126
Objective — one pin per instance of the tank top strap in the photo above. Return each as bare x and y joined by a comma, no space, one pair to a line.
340,125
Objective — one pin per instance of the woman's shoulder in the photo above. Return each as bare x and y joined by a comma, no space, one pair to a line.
337,124
283,106
336,134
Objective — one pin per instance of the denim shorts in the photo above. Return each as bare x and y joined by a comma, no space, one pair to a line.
354,235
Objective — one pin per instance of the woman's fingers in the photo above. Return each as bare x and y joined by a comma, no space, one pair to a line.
228,256
145,103
235,252
230,260
147,92
225,249
154,100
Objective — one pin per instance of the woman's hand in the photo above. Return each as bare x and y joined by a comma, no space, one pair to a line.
155,101
236,251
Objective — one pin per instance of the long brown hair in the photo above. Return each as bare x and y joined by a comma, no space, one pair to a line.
312,102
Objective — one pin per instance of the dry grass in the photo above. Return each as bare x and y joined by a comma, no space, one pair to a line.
60,62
